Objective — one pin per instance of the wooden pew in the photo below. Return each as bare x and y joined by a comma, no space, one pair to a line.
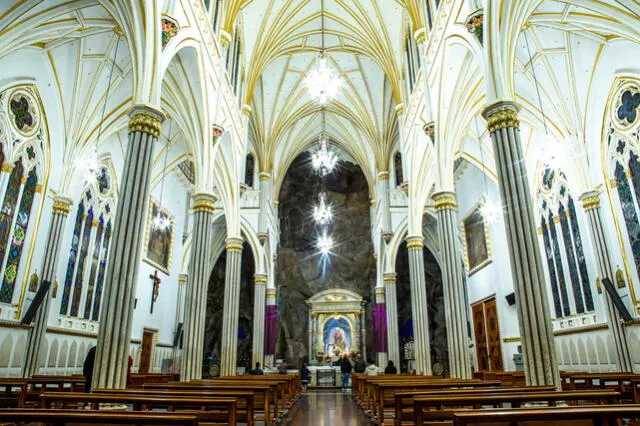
441,408
264,394
214,410
139,379
622,382
244,404
558,416
92,417
38,384
404,399
12,392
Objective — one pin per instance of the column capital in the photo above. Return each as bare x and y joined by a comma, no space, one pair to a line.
380,290
204,202
414,242
264,176
62,205
383,174
225,37
234,244
260,279
246,110
389,278
445,200
271,292
144,118
501,115
590,200
182,278
420,35
399,109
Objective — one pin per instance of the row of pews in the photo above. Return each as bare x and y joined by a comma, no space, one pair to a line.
498,399
152,400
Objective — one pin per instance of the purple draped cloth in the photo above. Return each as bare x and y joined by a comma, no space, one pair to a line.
379,327
270,329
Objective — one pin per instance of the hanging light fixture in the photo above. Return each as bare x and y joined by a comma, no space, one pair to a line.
322,213
491,211
323,159
91,165
322,82
161,221
324,243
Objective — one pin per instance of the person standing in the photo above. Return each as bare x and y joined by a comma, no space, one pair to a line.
87,368
345,369
304,377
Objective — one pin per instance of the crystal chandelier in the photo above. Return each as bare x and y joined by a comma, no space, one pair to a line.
160,222
490,211
322,213
324,243
322,82
323,159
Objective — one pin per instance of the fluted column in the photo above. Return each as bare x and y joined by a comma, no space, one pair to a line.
263,215
591,204
393,337
197,287
419,311
380,328
310,336
229,347
116,318
270,328
363,333
536,333
259,289
385,205
60,210
455,302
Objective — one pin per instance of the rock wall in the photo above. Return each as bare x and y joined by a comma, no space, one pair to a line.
300,271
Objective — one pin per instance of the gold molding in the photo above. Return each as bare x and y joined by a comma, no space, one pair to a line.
383,175
61,206
271,292
204,202
420,35
445,200
379,291
7,168
234,244
264,177
414,243
501,115
578,330
145,119
511,339
390,277
590,200
260,279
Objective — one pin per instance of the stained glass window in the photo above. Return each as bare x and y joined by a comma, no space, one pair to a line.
629,212
19,234
552,269
8,206
397,164
84,248
571,260
559,268
582,263
104,253
95,258
71,265
249,170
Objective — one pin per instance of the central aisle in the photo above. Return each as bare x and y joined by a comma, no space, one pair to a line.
325,408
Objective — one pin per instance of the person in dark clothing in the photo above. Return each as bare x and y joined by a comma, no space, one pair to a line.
304,377
391,369
87,368
345,369
360,365
257,371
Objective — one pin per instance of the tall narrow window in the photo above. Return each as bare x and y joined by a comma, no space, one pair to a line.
571,260
71,264
428,11
249,170
629,212
397,165
19,234
555,246
94,268
9,206
552,269
84,249
216,15
104,253
582,263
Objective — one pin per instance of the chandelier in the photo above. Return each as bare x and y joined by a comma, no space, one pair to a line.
490,211
322,213
323,159
324,243
322,82
160,222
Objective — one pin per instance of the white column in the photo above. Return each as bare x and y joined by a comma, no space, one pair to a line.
263,217
536,332
269,358
419,312
116,319
385,205
381,357
259,290
393,336
229,347
363,333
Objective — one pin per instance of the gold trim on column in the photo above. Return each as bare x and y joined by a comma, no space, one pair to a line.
420,35
380,290
399,109
501,115
414,243
204,202
590,200
271,292
145,119
445,200
264,177
383,175
234,244
246,109
390,277
7,168
182,278
260,279
61,206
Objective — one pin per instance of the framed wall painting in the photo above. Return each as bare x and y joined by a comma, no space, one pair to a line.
477,240
158,242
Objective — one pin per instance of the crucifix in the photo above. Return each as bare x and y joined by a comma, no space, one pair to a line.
156,288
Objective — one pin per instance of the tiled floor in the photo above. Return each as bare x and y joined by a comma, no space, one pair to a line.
325,408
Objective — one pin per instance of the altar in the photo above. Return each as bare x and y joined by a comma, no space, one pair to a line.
336,325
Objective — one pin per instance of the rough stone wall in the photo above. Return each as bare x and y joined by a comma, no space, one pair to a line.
301,272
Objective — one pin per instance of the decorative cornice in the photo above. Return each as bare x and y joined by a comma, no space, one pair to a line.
204,202
590,200
445,200
264,176
390,277
145,119
577,330
234,244
14,324
414,242
501,115
246,109
260,279
61,205
383,175
420,35
271,292
380,291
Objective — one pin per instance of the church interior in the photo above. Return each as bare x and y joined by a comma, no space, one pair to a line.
231,204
